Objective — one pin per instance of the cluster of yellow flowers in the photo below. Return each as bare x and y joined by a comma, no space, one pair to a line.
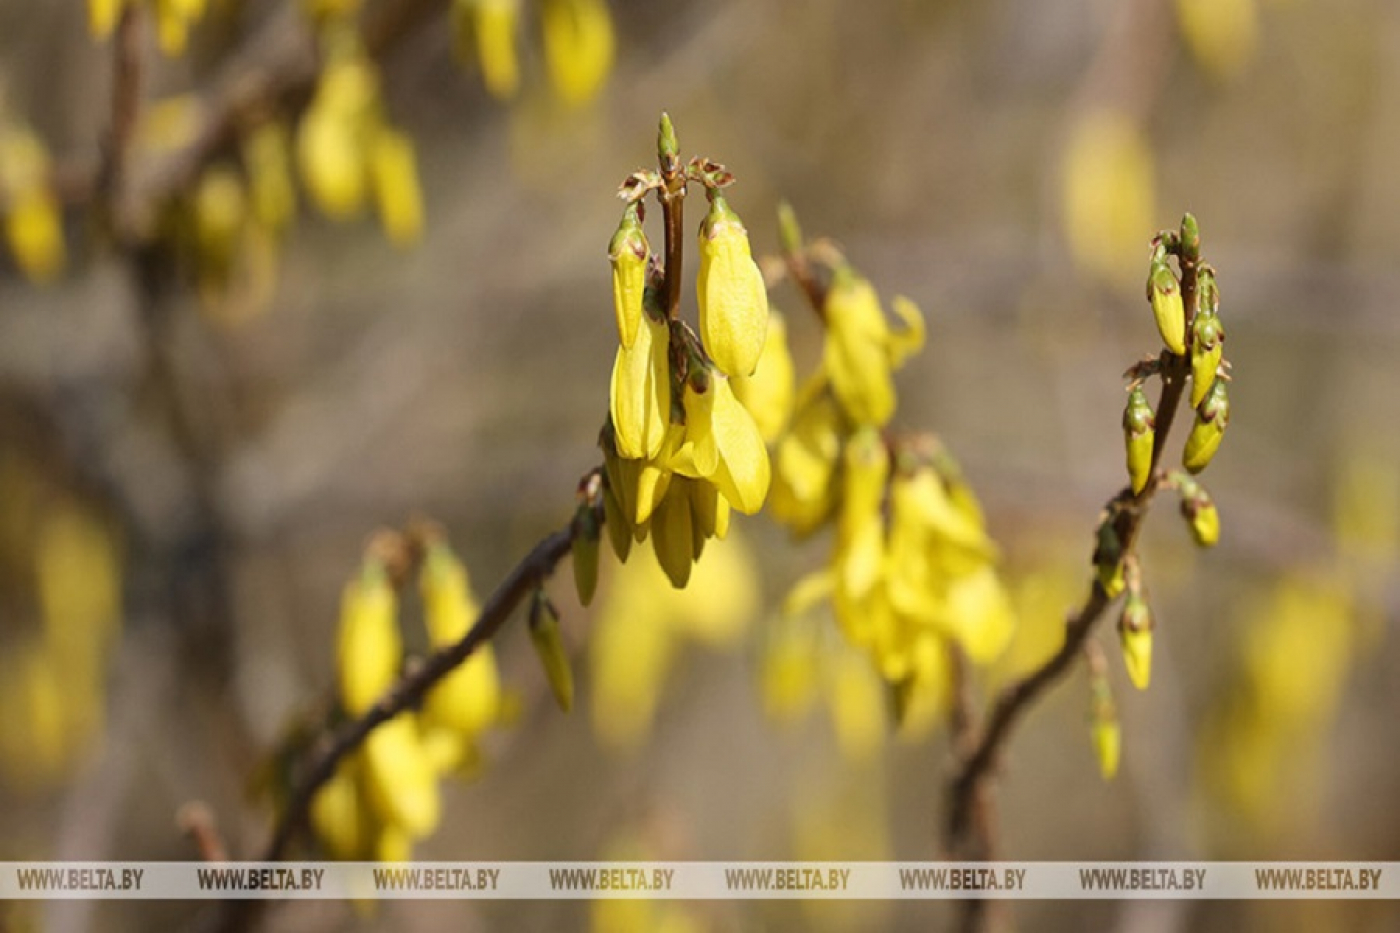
912,569
53,681
577,39
33,223
680,448
386,795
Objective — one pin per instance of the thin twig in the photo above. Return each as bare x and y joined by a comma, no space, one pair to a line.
969,784
197,821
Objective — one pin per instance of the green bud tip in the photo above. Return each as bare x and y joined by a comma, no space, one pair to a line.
667,148
1190,237
789,232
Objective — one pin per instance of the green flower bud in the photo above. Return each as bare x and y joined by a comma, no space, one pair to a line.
1212,415
1108,559
1135,634
1138,435
585,552
544,635
629,252
1190,238
1167,307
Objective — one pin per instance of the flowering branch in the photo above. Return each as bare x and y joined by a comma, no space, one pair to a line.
968,824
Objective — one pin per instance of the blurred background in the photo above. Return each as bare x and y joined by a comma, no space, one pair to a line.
198,438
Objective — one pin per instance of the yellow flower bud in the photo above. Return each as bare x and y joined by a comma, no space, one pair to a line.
1107,179
400,781
369,645
732,298
549,646
331,152
393,171
629,252
1138,435
1135,633
1207,346
856,354
726,445
767,394
33,225
220,209
1212,416
578,47
641,392
1108,746
1167,307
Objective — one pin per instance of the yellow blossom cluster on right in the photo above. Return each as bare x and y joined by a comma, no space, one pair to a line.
913,569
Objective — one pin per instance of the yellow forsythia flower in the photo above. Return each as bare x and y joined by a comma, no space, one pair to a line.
856,352
767,394
340,817
727,446
641,392
732,298
629,253
1108,193
578,47
400,780
393,169
369,646
331,138
803,489
494,24
981,614
468,699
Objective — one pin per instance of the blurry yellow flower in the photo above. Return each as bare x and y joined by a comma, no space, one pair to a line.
856,354
267,160
578,47
340,817
393,169
856,699
369,646
332,135
803,489
33,225
102,16
220,209
493,23
733,300
468,699
981,614
173,21
1108,194
1220,34
767,394
400,780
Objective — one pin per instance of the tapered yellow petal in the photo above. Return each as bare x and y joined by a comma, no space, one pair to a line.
732,298
641,392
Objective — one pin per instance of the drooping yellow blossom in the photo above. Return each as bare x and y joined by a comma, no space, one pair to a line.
340,816
804,491
733,300
629,253
468,699
493,24
370,647
767,394
578,47
640,401
726,446
398,194
1108,193
33,225
400,780
856,355
334,132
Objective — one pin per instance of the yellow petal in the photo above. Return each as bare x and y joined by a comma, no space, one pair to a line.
732,298
400,781
578,47
743,473
767,394
370,648
641,392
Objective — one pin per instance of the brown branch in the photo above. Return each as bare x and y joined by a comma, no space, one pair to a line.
197,821
125,107
969,786
672,196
